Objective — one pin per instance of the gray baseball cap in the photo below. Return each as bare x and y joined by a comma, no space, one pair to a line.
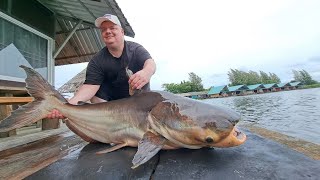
107,17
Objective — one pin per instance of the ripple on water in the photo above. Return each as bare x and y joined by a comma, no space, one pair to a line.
295,113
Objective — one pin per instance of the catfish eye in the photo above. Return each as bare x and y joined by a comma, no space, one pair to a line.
209,139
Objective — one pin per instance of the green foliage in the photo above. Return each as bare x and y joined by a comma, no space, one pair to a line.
303,77
193,85
312,86
195,82
237,77
274,78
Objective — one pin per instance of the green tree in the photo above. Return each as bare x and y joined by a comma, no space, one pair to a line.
171,87
265,79
297,76
195,82
274,78
237,77
193,85
253,78
304,77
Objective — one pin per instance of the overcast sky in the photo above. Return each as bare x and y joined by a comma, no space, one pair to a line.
210,37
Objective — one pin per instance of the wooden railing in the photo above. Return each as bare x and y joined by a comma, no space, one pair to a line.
6,107
15,100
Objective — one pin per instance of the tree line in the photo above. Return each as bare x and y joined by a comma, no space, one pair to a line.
238,77
304,77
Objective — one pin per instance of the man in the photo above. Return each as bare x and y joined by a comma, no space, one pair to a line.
106,78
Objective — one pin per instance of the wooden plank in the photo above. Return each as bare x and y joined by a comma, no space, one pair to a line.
5,110
50,124
15,100
28,135
22,161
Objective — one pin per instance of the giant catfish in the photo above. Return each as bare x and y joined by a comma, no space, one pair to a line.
151,120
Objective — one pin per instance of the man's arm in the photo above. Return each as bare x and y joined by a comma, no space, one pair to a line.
85,93
142,77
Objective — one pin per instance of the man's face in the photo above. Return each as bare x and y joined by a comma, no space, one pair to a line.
112,34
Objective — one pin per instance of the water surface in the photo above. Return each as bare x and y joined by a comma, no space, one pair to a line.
295,113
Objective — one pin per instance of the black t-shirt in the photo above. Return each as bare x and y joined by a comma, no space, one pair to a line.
109,72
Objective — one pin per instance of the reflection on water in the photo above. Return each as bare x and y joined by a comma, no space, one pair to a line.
295,113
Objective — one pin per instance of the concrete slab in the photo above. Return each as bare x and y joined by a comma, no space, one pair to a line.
85,164
258,158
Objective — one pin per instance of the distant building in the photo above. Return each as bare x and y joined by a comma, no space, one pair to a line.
195,95
218,91
255,89
283,87
295,85
270,87
238,90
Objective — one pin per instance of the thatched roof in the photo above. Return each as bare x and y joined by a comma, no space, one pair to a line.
73,85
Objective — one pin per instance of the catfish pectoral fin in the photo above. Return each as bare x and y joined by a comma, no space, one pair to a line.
148,146
116,147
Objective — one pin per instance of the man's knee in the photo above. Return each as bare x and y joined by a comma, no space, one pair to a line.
96,99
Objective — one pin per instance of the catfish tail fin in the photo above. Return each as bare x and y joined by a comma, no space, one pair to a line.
45,96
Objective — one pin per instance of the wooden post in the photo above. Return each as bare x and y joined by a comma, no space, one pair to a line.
50,124
5,111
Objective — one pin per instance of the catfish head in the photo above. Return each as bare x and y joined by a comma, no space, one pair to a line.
192,124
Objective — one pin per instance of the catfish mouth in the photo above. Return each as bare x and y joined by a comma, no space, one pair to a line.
235,138
239,135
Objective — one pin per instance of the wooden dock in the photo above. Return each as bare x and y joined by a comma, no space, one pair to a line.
24,154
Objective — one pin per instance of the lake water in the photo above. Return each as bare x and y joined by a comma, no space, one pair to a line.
295,113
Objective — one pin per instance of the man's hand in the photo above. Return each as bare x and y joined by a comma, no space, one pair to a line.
139,79
55,114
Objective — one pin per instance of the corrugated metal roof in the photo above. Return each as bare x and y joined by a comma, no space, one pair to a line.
270,85
237,88
295,83
87,40
73,84
282,84
255,86
217,89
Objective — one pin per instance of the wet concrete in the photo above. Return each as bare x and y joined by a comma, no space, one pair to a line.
258,158
85,164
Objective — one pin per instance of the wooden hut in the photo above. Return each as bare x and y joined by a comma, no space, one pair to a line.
295,85
218,91
73,84
255,89
238,90
270,87
283,87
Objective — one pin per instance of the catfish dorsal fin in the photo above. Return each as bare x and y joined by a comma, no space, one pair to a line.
131,90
